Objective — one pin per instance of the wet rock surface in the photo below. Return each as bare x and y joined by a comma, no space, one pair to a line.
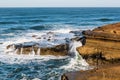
35,49
49,44
106,72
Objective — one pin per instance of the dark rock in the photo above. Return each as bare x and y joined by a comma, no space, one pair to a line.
81,39
77,33
34,36
64,77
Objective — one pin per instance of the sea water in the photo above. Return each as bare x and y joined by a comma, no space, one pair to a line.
18,25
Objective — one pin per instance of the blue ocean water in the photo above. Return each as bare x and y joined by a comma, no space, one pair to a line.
18,23
14,19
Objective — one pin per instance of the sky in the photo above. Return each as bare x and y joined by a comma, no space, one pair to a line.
59,3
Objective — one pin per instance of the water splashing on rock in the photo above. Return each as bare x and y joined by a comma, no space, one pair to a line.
38,51
76,61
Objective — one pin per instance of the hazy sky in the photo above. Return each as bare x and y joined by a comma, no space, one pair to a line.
59,3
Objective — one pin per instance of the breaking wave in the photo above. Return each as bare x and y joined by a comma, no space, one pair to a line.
43,67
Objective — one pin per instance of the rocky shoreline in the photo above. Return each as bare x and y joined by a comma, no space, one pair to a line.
49,45
102,49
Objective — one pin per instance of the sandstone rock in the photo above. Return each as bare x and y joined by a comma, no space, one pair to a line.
102,49
106,72
101,35
107,32
29,48
44,47
110,29
104,41
109,50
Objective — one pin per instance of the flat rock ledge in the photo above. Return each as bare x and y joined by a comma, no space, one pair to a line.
106,72
102,48
58,50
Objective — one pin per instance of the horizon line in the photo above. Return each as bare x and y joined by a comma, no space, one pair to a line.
60,7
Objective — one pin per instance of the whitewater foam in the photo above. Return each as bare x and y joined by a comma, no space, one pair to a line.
56,65
76,61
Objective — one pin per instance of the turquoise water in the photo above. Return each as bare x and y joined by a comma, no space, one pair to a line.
19,24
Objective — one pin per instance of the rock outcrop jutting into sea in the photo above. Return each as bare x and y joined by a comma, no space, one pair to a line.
102,49
48,44
99,47
103,43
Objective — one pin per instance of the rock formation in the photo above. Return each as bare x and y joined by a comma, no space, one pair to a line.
41,48
102,49
106,72
103,43
35,49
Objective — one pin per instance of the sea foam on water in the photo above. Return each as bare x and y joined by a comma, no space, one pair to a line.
76,62
72,62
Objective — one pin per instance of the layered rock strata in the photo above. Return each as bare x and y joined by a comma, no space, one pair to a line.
102,49
41,48
37,50
102,44
106,72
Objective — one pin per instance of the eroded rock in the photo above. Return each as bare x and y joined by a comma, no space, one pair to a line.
102,49
103,40
106,72
36,49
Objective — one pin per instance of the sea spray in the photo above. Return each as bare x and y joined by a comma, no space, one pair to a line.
11,49
45,67
76,61
15,52
33,52
21,51
38,51
42,65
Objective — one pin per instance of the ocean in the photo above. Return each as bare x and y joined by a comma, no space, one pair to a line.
17,25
